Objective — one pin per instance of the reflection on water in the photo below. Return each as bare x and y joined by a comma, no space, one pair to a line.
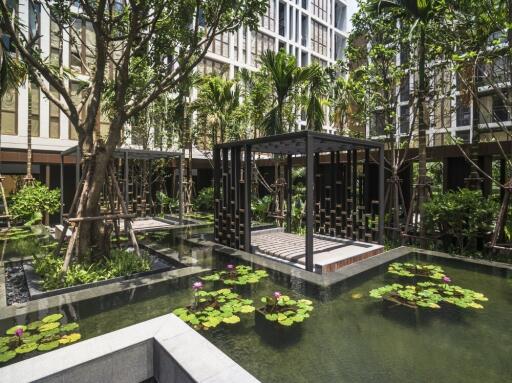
349,337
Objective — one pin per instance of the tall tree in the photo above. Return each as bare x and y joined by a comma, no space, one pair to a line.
216,104
286,77
374,48
138,51
419,14
317,89
256,91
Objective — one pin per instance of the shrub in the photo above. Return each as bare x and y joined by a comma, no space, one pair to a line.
462,215
204,200
167,202
119,263
31,202
260,207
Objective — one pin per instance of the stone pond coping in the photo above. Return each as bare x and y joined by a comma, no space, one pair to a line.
93,292
164,348
35,281
349,271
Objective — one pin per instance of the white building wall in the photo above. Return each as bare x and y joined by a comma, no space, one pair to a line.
295,13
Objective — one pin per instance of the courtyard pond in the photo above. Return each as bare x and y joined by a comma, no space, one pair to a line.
348,337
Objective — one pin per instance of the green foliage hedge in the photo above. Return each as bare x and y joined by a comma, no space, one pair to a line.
462,215
119,263
204,200
31,202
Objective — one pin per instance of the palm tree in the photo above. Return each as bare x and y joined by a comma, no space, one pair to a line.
256,93
216,102
419,13
285,77
317,88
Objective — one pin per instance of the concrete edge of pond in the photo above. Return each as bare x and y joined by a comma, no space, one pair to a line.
164,348
328,279
35,281
93,292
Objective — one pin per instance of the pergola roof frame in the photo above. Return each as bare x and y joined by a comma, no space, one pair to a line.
126,154
309,144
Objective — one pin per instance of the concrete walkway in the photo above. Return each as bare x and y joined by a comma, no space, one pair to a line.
329,253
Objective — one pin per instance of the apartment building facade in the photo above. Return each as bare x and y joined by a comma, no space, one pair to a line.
311,30
456,120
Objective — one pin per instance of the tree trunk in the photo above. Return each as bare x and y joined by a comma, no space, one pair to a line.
93,237
422,129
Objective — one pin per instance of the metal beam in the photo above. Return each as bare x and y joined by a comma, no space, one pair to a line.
310,200
61,189
216,189
180,187
247,199
381,196
289,182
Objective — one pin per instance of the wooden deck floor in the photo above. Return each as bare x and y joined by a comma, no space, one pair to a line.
330,254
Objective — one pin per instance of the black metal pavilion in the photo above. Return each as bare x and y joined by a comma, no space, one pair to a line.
339,181
124,154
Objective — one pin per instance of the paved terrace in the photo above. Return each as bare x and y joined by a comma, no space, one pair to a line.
329,254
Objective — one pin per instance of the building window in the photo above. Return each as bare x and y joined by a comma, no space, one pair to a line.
463,135
340,16
405,89
499,109
463,115
207,66
220,45
260,43
319,38
282,19
33,107
75,60
8,120
403,122
377,124
304,30
339,46
55,43
268,20
320,8
54,115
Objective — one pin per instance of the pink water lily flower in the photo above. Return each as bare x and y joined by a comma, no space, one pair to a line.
230,267
19,332
277,295
447,279
197,285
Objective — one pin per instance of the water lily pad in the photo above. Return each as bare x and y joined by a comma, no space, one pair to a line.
34,325
246,309
49,326
13,329
71,338
52,318
6,356
32,338
232,319
48,346
52,332
357,296
69,327
26,348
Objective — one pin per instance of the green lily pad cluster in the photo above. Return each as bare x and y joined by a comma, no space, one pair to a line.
431,295
416,270
212,308
239,275
42,335
284,310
